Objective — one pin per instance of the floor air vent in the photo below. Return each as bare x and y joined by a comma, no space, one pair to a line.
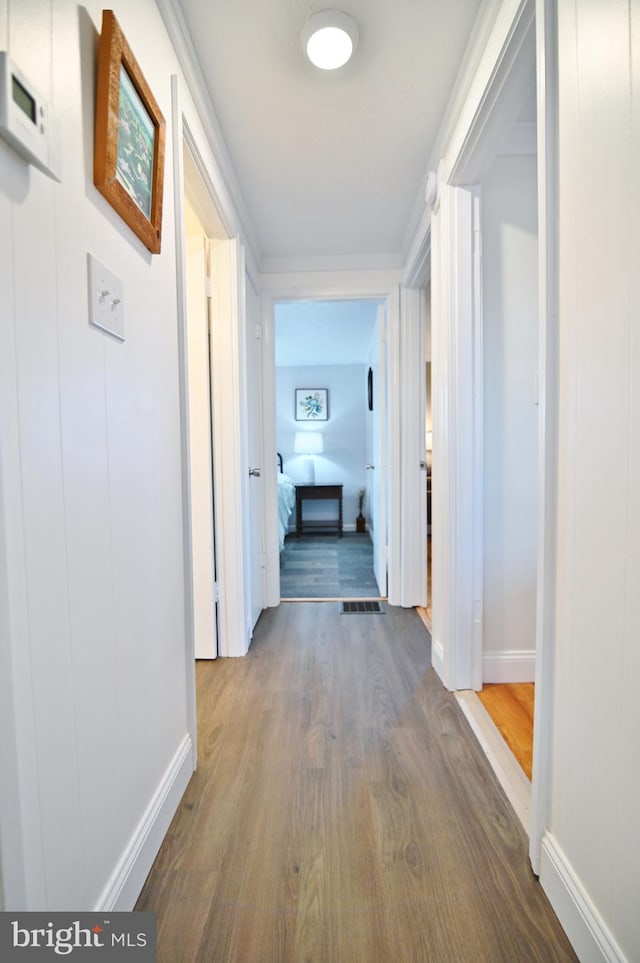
360,608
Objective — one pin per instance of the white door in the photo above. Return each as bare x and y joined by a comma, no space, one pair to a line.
377,466
200,450
255,458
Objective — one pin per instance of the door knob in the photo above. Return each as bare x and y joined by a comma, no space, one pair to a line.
370,467
254,473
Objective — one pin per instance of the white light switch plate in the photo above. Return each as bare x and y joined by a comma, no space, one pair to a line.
106,299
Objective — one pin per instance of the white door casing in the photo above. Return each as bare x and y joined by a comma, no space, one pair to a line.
377,468
200,450
457,440
256,597
413,509
381,286
231,472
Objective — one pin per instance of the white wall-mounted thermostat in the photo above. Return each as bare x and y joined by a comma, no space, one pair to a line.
27,121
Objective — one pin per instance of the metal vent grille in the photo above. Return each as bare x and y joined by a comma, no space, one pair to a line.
360,608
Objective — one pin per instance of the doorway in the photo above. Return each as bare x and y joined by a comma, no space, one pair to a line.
486,358
330,408
200,427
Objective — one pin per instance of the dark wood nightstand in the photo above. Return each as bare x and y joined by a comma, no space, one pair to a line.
318,493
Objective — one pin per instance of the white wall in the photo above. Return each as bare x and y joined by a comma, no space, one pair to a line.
344,434
510,304
92,635
593,832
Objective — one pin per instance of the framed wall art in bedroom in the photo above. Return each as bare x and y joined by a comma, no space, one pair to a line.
312,404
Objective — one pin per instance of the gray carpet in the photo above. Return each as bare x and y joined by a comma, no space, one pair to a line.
325,566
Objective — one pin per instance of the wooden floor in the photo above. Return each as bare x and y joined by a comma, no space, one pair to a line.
510,705
342,811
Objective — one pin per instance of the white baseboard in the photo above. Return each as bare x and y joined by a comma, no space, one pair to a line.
587,931
517,787
514,665
437,658
127,880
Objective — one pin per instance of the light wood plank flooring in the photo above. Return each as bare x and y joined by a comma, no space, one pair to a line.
342,811
510,705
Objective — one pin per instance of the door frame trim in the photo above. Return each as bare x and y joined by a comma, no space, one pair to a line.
473,131
381,285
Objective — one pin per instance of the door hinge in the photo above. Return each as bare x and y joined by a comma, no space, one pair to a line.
216,592
258,331
208,286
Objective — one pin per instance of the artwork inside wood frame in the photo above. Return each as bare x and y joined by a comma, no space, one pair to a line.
312,404
128,160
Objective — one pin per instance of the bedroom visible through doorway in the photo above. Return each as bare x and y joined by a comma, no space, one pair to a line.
327,388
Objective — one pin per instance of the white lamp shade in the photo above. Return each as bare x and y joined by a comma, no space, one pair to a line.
308,443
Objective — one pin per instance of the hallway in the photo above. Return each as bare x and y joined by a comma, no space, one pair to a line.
342,811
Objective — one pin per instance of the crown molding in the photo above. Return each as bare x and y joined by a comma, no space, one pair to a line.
234,210
495,97
417,265
480,35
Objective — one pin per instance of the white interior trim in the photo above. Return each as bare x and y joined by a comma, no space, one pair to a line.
395,372
230,470
413,504
515,784
123,889
327,286
476,127
514,665
269,471
232,208
437,658
548,351
481,33
457,439
495,97
588,933
417,268
178,193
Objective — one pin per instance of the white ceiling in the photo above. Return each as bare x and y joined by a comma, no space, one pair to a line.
330,163
324,332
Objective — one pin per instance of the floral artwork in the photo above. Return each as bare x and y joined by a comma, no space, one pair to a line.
312,404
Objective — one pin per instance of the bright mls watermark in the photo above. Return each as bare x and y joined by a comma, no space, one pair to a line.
78,936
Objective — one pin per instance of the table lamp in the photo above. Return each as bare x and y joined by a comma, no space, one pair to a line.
308,443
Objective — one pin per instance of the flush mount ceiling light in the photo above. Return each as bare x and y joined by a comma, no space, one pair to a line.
329,38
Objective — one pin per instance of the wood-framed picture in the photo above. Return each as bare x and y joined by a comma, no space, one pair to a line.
128,160
312,404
